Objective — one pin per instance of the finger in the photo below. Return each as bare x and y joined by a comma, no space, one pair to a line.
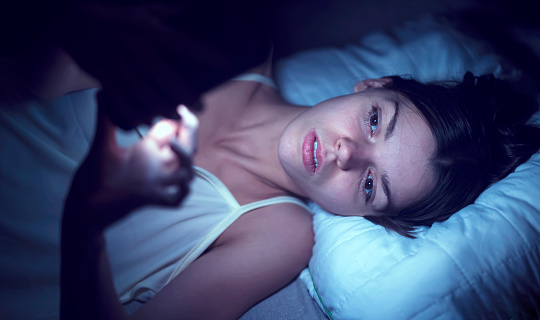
175,194
184,174
181,194
189,119
187,136
183,154
163,131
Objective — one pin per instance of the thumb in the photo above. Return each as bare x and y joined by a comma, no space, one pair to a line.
163,131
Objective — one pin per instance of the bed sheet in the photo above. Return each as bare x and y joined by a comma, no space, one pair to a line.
41,144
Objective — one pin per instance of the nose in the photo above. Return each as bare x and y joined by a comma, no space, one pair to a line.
350,154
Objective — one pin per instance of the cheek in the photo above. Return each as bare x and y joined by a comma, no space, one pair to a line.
285,150
339,197
289,148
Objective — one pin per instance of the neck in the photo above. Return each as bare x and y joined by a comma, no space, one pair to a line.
255,142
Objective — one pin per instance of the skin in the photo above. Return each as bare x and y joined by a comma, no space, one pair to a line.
353,149
252,141
257,255
256,159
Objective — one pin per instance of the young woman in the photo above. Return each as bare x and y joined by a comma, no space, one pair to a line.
396,151
351,154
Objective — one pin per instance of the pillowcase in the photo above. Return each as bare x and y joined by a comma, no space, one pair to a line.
427,49
483,260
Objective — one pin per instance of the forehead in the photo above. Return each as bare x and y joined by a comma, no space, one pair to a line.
406,158
375,95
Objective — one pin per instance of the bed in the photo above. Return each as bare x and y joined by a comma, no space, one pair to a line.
483,262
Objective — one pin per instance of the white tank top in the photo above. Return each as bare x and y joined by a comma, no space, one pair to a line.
154,244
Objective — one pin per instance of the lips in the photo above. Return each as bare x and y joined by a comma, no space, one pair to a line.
311,152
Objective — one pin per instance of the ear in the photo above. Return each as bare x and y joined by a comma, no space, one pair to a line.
371,83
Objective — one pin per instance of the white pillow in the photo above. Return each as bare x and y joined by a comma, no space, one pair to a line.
426,49
483,260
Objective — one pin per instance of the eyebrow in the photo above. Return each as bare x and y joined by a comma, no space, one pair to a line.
386,189
392,123
389,131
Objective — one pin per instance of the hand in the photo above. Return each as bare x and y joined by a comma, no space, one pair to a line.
156,169
114,181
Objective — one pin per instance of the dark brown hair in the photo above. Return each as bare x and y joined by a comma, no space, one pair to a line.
481,133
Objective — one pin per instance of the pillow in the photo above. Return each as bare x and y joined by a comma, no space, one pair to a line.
427,49
483,260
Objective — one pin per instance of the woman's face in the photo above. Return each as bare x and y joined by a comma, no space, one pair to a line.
360,154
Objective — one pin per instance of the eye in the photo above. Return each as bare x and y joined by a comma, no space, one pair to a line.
373,119
368,186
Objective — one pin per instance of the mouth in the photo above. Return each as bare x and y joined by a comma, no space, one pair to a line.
311,152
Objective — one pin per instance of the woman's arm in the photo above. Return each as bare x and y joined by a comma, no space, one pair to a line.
111,183
256,256
260,253
87,290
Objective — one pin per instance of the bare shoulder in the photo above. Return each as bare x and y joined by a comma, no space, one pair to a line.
259,254
281,224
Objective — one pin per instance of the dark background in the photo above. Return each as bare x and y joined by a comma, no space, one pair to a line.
304,24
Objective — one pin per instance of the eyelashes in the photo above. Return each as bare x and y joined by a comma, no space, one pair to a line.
368,186
372,122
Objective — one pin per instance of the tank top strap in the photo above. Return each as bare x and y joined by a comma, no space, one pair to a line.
229,197
197,250
236,211
255,77
276,200
218,185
